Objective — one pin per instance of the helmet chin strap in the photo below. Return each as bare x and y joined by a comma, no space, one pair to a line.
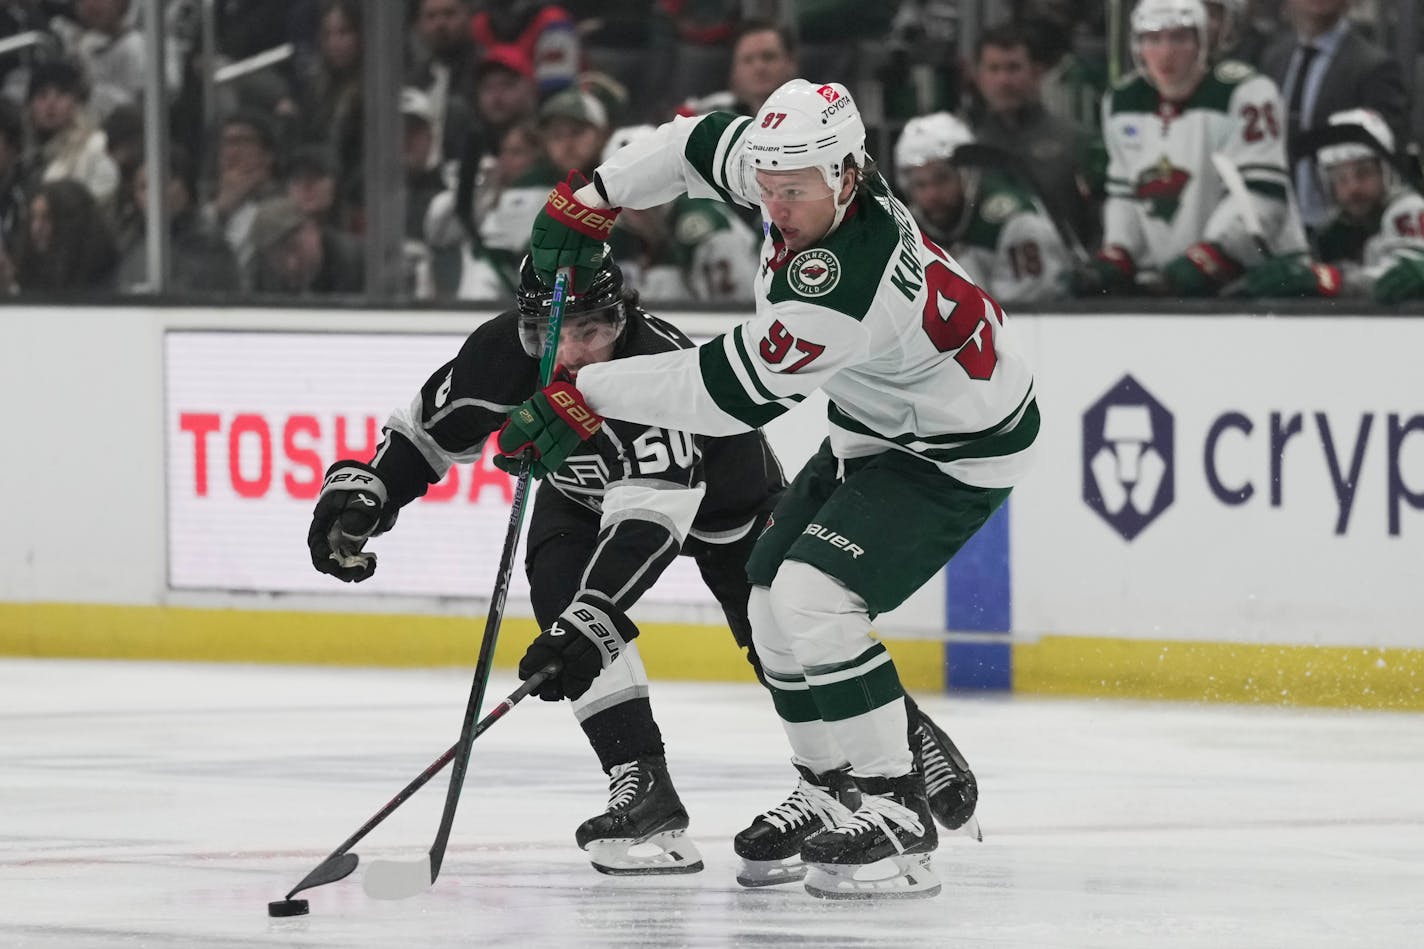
841,209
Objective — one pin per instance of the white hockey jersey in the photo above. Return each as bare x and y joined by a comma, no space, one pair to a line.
1009,245
1163,193
1364,257
912,354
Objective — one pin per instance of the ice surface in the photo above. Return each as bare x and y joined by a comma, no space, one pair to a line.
162,805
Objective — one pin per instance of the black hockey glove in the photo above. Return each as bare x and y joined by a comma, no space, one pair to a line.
350,510
586,638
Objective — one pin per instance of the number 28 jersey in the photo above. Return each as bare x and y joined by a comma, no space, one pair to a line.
913,356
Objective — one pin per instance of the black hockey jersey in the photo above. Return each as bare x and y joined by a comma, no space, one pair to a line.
651,488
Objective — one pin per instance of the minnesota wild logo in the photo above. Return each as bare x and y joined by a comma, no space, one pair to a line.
815,272
1160,187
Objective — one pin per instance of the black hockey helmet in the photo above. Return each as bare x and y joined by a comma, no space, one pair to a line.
602,304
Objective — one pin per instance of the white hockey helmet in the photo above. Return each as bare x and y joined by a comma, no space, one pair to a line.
626,135
927,138
1369,120
1377,128
1151,16
805,125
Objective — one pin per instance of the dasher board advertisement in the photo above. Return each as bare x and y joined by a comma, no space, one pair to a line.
252,421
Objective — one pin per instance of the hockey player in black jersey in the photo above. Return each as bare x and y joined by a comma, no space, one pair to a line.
604,527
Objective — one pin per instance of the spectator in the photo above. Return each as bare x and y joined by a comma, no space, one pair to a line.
422,183
247,163
331,93
19,17
575,127
111,53
123,139
68,146
993,226
200,261
1325,67
443,65
312,184
505,96
67,246
512,193
544,32
1374,243
295,256
763,60
1010,115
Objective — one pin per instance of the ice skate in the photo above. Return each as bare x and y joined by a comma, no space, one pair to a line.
643,831
949,784
882,851
771,847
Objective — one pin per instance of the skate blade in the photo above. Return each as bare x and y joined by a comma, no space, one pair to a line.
754,873
663,853
906,877
970,828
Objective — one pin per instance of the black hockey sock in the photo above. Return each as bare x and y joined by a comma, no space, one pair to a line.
623,732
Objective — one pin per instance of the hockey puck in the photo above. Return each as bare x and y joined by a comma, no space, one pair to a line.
288,908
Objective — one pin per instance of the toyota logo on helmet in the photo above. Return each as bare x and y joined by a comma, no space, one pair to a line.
805,125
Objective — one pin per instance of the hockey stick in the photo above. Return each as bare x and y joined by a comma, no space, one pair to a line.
340,863
400,879
1230,176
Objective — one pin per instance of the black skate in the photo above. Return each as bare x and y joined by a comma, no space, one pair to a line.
771,847
953,793
642,831
893,829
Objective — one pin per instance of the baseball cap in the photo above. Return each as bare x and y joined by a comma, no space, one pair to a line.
577,105
507,57
416,102
275,219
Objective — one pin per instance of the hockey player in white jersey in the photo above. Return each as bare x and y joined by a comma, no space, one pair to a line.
932,421
1167,210
992,224
1373,245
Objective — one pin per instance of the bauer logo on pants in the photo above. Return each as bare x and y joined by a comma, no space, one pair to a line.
1127,458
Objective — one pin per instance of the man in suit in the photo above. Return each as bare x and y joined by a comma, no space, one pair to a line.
1327,66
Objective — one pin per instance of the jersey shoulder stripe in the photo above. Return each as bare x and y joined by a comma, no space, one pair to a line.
748,402
859,251
709,149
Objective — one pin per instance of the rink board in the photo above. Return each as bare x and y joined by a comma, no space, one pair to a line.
1223,508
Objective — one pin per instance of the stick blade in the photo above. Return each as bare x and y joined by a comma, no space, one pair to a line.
397,879
335,868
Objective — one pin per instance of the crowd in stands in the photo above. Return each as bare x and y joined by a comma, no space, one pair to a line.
1047,175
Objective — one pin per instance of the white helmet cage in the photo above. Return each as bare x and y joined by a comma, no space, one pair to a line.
1376,128
804,125
1151,16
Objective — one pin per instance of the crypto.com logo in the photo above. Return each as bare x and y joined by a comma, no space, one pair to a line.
1127,458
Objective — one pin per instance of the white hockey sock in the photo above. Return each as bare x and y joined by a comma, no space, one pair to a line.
812,743
850,675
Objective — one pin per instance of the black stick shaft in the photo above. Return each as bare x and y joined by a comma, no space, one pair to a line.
562,285
421,780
